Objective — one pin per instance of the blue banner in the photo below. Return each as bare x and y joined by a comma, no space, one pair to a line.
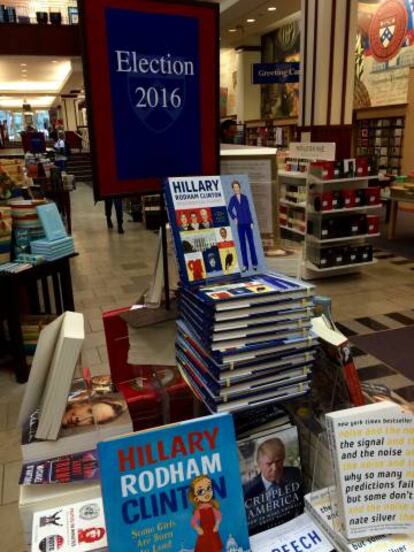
275,73
155,88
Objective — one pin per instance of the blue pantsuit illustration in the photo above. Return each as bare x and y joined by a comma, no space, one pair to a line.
239,210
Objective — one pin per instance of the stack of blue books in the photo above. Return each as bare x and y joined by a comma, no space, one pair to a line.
243,333
57,243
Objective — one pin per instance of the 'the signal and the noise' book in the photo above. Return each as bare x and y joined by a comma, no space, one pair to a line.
174,488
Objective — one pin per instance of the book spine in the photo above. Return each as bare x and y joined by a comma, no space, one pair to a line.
330,432
168,202
351,376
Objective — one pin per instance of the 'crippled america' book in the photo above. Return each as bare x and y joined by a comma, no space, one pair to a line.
175,488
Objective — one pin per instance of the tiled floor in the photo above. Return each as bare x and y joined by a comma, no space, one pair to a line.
112,270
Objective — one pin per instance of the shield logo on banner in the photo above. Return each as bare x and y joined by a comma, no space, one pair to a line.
388,30
157,100
386,35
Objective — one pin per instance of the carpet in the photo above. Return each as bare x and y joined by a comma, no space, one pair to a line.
392,347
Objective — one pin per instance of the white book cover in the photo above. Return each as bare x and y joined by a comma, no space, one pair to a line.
299,534
321,505
372,449
78,527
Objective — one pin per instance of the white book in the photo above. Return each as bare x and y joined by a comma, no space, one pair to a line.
60,375
373,459
299,534
34,498
78,527
321,506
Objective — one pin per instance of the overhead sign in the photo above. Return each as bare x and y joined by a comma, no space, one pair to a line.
315,151
279,73
153,91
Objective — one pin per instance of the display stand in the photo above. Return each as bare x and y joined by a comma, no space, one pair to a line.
259,164
327,256
292,211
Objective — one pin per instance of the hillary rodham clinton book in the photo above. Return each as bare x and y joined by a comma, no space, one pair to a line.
175,488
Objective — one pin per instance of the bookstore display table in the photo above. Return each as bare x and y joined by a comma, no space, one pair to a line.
40,301
398,194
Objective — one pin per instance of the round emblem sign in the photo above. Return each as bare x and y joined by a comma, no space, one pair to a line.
388,30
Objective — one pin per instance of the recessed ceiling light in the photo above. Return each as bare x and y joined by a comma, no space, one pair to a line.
24,70
23,64
271,8
251,20
54,61
232,30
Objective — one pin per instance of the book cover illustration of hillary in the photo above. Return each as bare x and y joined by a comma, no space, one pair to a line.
172,488
215,226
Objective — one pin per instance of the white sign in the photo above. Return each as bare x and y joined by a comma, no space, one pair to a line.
322,151
300,534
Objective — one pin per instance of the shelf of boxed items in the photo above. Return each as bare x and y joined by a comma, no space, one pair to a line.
292,202
329,201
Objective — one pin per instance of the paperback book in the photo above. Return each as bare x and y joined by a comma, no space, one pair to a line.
174,488
92,413
51,221
373,456
271,475
297,535
70,468
77,527
321,506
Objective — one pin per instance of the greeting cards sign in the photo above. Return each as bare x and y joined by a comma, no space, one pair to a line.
150,116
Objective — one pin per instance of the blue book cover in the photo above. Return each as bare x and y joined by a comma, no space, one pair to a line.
215,227
174,488
51,221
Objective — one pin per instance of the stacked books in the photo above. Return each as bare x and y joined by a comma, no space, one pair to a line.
243,332
57,243
52,250
62,419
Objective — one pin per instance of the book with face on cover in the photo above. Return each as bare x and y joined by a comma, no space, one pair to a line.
271,475
373,457
174,488
214,226
93,412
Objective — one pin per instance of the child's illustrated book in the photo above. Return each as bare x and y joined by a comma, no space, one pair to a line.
215,227
177,488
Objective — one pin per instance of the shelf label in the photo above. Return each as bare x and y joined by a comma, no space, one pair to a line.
315,151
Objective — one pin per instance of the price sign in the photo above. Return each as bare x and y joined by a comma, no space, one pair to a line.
153,91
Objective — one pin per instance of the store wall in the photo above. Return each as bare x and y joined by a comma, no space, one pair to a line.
384,53
282,44
228,81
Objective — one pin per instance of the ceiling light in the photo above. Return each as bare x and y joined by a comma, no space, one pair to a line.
54,60
24,70
232,30
251,20
23,65
271,8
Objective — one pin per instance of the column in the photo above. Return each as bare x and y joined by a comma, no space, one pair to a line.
328,36
248,94
69,113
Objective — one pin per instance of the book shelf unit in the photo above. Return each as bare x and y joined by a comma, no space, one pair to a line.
337,239
292,204
271,133
382,139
